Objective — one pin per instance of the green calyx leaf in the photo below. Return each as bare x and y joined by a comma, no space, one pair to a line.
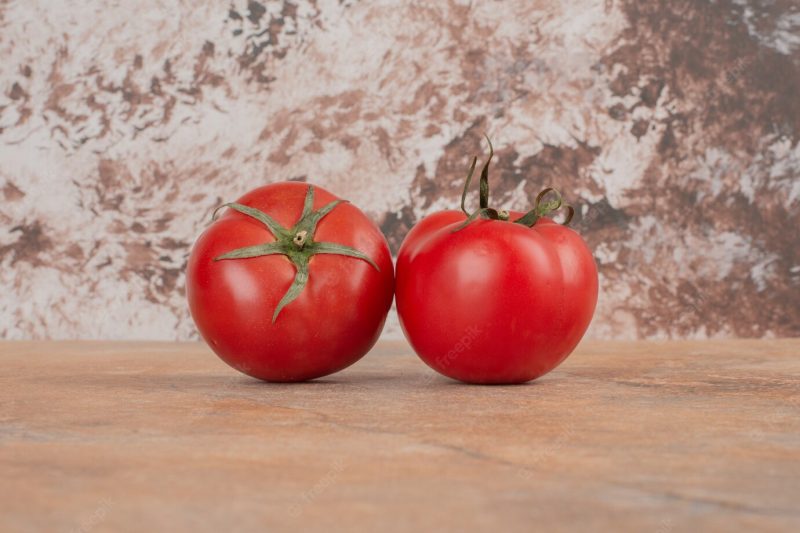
470,218
539,210
258,250
297,286
487,213
297,243
261,216
341,249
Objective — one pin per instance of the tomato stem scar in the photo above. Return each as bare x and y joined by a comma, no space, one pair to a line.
300,238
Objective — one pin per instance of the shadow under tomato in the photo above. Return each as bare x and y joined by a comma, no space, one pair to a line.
450,382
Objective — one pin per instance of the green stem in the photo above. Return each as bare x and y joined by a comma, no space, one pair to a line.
530,218
484,190
466,185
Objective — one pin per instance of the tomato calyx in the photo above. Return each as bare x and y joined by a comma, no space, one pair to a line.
530,218
296,243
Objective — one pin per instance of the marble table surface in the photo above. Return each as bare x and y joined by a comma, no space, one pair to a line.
624,436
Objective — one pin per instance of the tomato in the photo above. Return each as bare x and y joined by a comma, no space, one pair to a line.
495,297
291,283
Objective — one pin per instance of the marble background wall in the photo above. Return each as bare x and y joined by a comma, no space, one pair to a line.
673,125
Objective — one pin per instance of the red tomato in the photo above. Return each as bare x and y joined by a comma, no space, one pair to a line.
493,300
291,283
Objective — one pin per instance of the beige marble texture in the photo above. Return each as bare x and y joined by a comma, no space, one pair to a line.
673,126
624,437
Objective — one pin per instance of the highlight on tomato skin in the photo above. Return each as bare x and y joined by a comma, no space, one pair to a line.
290,283
495,296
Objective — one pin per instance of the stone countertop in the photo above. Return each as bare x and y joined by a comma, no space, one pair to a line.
641,436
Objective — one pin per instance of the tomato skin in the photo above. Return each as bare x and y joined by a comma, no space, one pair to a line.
422,230
494,302
334,321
